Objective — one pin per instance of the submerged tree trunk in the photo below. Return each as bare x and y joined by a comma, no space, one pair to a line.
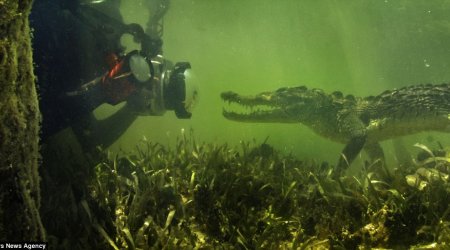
19,127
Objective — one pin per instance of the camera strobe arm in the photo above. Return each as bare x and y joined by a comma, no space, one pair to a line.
101,22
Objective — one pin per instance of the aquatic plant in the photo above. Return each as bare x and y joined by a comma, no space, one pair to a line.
203,196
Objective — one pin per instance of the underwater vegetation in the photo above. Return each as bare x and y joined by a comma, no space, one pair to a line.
208,196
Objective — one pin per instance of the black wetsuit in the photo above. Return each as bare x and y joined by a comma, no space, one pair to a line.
70,42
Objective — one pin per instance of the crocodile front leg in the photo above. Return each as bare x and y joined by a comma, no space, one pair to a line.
350,152
352,125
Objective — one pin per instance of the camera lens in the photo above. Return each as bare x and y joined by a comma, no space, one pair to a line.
175,91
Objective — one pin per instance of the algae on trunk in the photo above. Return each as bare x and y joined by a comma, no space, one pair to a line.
19,127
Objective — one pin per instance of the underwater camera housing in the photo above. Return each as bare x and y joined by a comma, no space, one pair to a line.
162,86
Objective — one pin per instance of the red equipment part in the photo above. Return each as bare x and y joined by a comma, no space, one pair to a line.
117,84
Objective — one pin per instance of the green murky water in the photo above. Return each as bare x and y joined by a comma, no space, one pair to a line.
357,47
180,190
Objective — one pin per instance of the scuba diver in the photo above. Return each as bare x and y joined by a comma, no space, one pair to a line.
80,64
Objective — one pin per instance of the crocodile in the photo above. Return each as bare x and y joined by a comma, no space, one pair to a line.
358,122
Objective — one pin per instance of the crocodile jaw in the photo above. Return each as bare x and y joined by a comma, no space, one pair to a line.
267,109
271,116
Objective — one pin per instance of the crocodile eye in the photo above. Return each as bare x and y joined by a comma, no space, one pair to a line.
281,89
337,94
302,88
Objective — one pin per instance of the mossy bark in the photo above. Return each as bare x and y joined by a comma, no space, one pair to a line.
19,127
